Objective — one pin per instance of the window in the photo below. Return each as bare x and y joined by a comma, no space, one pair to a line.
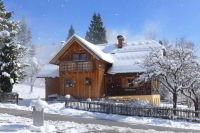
83,57
80,57
130,83
75,57
69,83
88,81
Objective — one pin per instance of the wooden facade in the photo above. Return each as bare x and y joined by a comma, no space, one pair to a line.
52,86
84,75
124,85
81,77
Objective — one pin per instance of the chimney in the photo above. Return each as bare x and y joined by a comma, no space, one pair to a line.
120,39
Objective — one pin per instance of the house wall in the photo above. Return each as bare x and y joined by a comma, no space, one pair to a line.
118,86
154,99
52,86
96,74
102,84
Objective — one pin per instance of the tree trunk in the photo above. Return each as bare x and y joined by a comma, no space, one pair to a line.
174,102
31,88
31,85
196,106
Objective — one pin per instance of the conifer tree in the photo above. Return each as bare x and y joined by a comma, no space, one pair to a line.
11,52
24,35
71,32
96,33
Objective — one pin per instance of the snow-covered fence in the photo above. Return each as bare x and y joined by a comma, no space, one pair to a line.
9,97
123,109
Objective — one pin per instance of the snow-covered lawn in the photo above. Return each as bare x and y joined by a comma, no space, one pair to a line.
24,91
59,108
9,123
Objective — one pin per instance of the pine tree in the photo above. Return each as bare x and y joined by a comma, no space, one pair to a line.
24,35
71,32
11,52
96,33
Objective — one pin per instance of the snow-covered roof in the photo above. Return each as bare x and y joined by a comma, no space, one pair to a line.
129,58
91,47
104,56
49,70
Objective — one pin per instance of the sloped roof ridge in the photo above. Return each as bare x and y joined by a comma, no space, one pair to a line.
104,56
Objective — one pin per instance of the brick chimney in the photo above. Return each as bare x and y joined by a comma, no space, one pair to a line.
120,39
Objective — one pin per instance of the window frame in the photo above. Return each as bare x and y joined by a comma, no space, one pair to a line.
80,57
88,81
69,83
130,82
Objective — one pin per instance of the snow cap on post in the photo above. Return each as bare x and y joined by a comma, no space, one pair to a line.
38,104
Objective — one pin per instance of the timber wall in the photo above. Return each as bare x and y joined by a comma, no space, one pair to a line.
52,86
78,77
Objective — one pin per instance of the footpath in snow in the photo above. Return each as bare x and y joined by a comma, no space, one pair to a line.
14,124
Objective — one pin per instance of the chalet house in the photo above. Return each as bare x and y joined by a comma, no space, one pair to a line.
85,70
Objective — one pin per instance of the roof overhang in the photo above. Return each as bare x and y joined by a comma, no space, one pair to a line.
79,40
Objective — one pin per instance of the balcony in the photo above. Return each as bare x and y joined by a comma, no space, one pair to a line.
76,66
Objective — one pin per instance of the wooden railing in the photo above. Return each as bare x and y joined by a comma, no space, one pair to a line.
77,66
123,109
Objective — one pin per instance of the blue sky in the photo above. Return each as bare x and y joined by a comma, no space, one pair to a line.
51,19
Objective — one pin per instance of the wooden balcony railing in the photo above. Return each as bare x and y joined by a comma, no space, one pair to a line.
77,66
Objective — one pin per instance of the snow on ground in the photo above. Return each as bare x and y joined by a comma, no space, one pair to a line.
16,124
169,105
59,108
24,91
